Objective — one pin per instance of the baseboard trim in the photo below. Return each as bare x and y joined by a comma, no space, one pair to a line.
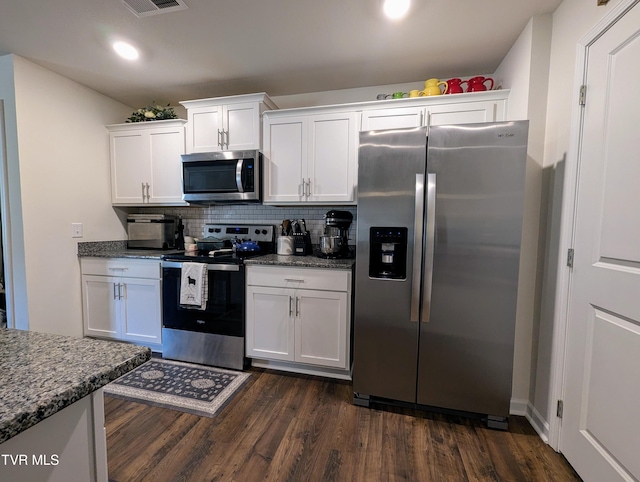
539,424
518,407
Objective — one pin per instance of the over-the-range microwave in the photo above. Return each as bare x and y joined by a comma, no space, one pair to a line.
222,177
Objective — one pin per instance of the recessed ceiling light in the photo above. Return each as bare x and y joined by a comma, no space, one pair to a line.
125,50
396,9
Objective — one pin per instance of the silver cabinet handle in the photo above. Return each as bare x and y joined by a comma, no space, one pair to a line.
297,280
418,226
225,134
143,192
290,306
116,268
220,145
115,296
297,306
307,189
120,295
431,236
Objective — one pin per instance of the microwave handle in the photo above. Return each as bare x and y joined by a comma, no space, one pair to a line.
239,175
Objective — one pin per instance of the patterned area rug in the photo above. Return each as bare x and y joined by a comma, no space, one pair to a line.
195,389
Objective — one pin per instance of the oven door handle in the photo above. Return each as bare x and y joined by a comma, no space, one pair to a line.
210,267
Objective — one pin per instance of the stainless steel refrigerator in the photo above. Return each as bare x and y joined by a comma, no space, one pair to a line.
436,280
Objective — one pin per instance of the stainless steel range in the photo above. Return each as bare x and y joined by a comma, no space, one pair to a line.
213,335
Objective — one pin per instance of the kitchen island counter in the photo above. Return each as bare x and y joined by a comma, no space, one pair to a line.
42,374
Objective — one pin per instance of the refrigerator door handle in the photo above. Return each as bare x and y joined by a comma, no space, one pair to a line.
418,226
429,249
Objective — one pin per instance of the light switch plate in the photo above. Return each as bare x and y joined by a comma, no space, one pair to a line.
76,230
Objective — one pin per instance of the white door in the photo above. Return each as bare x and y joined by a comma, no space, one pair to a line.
321,328
242,122
600,434
141,317
129,166
397,118
462,113
269,323
332,152
285,154
204,129
166,144
101,306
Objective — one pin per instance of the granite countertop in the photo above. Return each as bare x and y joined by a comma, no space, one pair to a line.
40,373
118,249
311,261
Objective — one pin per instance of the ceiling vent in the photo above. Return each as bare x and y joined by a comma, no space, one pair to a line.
145,8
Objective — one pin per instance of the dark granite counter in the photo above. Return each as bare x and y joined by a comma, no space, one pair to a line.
118,249
40,374
300,262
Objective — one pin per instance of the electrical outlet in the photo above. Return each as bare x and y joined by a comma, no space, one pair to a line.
76,230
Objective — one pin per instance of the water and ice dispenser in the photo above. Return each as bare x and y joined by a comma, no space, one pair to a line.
388,252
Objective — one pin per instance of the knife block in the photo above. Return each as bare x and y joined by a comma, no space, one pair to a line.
302,244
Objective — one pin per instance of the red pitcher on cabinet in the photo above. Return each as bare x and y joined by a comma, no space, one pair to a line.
476,84
455,86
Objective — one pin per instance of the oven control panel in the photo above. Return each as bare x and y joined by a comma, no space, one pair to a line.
243,232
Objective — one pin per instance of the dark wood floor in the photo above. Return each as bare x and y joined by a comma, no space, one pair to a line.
283,427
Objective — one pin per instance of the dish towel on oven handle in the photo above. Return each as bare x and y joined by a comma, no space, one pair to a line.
194,286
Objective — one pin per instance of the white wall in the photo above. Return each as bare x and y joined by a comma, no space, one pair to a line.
571,21
524,71
62,152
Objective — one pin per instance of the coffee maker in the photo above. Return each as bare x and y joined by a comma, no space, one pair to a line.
334,243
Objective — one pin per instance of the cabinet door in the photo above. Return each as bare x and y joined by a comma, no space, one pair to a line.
462,113
204,128
332,151
321,328
269,323
242,126
397,118
130,166
166,146
141,317
100,306
284,153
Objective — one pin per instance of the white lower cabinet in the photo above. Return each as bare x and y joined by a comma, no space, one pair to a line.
300,316
121,299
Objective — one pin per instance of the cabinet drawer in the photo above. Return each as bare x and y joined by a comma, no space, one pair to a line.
130,268
301,278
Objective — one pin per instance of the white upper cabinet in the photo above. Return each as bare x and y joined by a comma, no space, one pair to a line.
310,156
393,118
471,108
146,167
225,123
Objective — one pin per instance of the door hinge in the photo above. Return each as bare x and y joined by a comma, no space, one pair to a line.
570,257
559,409
582,100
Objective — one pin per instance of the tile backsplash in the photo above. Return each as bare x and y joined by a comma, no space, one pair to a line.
194,218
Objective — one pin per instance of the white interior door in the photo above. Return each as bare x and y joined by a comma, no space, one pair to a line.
600,434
